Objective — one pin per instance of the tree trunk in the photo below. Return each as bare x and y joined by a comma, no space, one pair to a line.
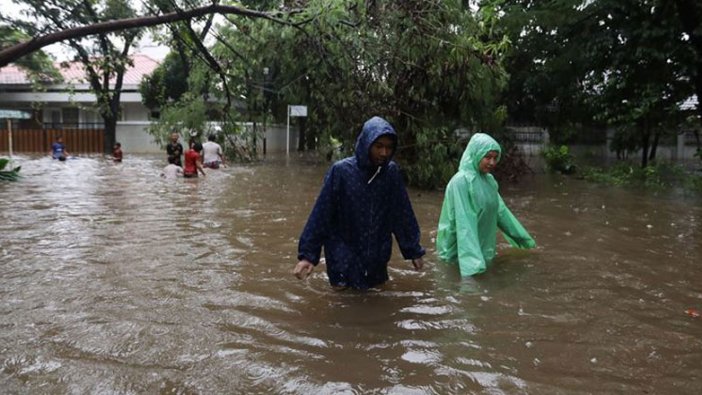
110,133
654,146
644,145
302,133
110,120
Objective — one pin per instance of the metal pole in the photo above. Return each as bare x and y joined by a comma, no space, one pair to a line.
9,134
287,135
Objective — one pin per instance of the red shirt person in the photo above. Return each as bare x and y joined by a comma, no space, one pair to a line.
193,162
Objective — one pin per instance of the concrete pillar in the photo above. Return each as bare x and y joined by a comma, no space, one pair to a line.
680,147
546,136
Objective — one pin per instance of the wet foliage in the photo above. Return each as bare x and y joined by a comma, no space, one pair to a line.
658,176
8,175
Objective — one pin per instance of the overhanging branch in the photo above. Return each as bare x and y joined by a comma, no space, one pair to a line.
15,52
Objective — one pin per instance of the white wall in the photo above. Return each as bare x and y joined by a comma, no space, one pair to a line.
275,139
134,112
134,138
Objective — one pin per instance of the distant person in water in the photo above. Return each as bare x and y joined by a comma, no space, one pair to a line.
117,152
363,202
212,153
58,149
174,149
473,211
193,162
172,171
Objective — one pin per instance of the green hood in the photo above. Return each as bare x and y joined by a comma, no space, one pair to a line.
479,145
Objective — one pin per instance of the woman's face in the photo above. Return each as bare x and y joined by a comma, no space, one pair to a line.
489,161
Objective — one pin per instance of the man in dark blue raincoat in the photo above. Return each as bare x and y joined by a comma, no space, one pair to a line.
362,203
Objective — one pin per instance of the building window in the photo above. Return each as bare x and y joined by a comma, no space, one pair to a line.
55,119
70,117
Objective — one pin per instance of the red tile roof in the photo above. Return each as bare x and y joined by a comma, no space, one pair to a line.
74,72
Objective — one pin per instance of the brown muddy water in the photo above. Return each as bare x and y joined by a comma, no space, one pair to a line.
114,281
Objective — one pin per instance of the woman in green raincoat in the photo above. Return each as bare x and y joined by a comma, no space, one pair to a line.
473,210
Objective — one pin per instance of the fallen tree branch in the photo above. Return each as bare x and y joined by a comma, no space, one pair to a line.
10,54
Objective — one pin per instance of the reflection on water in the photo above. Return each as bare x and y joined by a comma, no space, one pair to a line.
113,280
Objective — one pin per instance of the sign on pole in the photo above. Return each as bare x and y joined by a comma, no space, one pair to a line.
10,115
14,114
293,111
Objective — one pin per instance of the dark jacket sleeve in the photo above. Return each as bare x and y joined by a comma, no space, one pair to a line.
319,223
405,226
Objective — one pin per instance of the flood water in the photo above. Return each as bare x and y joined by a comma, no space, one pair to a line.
113,280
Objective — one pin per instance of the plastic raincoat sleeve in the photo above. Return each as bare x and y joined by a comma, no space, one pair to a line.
319,222
457,237
513,231
405,226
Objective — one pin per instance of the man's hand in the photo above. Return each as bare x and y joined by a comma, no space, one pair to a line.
303,269
418,264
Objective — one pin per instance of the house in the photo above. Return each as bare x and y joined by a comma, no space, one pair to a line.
68,109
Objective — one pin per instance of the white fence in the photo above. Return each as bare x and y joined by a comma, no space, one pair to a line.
531,140
136,140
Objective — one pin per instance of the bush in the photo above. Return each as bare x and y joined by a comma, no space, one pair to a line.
656,176
434,160
8,175
438,153
559,159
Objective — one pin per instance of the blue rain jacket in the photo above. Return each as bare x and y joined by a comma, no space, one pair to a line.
473,211
359,207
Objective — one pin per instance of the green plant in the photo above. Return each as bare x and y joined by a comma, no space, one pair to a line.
558,158
8,175
436,161
657,176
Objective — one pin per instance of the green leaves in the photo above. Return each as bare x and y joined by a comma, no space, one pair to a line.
558,159
8,175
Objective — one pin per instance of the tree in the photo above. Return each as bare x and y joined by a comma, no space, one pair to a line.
42,39
546,65
166,84
105,59
690,15
624,62
115,26
430,67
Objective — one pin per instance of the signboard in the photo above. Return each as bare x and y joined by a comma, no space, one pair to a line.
14,114
10,115
298,111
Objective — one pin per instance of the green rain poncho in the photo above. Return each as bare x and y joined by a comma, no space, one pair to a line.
473,210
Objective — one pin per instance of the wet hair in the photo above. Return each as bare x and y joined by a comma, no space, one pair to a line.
117,144
211,137
197,147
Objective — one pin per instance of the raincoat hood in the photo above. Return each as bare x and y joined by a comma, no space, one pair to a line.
372,130
478,146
